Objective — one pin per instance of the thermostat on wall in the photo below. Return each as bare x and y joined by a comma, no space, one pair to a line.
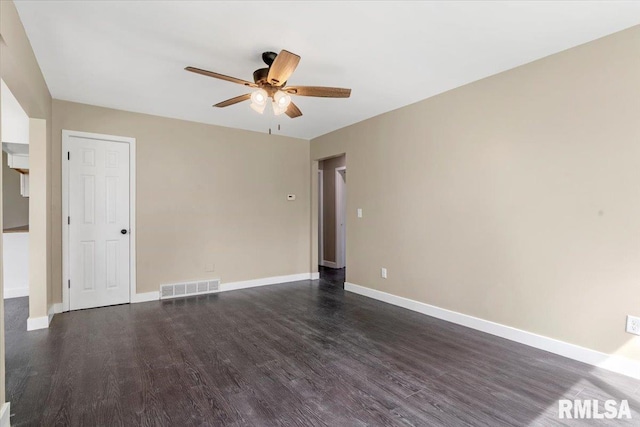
291,197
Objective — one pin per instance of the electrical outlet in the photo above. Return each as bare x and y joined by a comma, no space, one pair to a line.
633,325
383,273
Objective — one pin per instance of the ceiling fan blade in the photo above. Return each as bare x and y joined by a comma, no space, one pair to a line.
283,66
324,92
220,76
293,111
233,100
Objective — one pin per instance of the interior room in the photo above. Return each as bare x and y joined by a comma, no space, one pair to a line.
319,213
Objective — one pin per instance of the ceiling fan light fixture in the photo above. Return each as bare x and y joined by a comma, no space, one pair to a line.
259,100
277,110
258,108
259,97
281,101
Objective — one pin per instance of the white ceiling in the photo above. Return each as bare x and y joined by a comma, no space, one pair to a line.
130,55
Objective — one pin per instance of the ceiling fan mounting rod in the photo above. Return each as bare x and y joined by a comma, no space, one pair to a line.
269,57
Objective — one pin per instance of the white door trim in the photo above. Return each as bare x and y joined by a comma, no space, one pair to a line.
320,216
340,211
66,138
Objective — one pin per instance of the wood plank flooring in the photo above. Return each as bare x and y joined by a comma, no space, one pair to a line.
299,354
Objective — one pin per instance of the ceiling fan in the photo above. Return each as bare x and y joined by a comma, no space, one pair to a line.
270,82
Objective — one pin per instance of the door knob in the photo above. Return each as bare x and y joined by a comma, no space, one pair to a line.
123,231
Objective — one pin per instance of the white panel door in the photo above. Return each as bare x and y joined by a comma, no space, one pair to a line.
98,223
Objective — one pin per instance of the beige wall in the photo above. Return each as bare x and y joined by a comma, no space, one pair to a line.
514,199
39,156
15,209
20,71
328,167
205,194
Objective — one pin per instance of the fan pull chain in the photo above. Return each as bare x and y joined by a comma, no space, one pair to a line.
270,129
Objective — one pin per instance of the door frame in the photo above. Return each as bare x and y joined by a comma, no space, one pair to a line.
66,139
341,209
320,217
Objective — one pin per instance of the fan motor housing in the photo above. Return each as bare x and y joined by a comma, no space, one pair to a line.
260,75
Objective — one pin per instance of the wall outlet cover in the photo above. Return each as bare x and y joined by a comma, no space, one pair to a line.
633,325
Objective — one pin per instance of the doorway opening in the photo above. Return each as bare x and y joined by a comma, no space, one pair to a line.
332,221
15,202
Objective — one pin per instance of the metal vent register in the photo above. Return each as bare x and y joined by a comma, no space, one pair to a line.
189,288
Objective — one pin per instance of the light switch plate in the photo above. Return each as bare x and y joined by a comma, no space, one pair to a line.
383,273
359,212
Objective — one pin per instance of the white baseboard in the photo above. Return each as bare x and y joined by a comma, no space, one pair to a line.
329,264
54,309
315,276
609,362
35,323
5,414
145,297
16,292
232,286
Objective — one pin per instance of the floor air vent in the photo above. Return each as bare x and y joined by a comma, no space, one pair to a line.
189,288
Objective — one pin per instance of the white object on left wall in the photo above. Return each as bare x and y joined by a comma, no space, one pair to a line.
17,155
24,185
15,259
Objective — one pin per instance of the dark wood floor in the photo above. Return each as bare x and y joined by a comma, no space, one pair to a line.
297,354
